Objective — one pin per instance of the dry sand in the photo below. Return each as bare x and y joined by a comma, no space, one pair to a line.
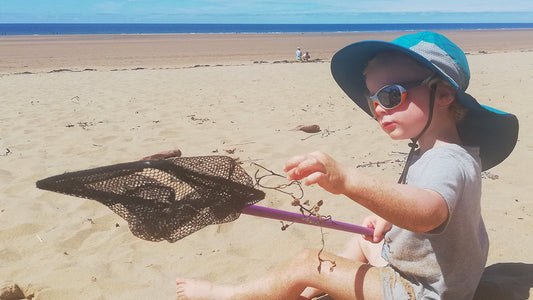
75,102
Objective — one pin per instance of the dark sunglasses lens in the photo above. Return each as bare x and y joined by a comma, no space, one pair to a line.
390,97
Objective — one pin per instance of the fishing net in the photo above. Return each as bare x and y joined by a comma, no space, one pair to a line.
165,199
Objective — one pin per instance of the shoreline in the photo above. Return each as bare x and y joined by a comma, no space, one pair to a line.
385,32
264,33
44,53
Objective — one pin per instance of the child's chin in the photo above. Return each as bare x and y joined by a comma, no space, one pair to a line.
396,137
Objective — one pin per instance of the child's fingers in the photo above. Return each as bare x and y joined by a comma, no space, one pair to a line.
373,238
302,167
297,161
310,169
370,222
313,178
293,162
377,238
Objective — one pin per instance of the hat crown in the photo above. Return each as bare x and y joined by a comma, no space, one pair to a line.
443,55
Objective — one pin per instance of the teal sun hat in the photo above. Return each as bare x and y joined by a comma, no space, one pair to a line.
495,132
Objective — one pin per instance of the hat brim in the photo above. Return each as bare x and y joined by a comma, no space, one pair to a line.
493,131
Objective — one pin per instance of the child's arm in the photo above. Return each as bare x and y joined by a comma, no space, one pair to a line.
406,206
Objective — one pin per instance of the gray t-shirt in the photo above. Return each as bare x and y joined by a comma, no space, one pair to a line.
447,262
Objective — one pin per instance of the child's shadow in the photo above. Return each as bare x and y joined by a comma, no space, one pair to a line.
505,281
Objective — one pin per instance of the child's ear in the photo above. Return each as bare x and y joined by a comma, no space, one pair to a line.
444,95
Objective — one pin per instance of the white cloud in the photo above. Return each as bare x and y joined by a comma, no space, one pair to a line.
376,6
269,11
108,7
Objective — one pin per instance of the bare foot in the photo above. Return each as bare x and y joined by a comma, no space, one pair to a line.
192,289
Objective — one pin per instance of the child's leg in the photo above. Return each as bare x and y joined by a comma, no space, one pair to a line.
362,250
357,249
347,280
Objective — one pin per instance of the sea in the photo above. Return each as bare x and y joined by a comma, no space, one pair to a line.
115,28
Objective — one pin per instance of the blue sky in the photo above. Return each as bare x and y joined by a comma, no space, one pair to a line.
270,11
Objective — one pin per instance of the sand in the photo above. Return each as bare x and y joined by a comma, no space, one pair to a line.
76,102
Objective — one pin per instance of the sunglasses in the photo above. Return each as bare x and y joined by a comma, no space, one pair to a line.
392,96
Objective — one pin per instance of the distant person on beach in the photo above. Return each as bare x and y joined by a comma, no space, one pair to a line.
429,239
306,56
298,54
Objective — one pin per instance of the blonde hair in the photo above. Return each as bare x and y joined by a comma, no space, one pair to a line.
385,58
456,109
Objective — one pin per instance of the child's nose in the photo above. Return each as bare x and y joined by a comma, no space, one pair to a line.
379,110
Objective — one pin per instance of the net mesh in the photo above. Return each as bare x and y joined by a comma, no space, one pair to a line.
165,199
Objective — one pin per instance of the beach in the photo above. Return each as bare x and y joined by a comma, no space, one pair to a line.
76,102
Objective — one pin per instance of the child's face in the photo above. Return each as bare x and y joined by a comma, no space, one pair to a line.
409,119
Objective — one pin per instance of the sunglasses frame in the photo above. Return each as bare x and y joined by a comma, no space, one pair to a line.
403,87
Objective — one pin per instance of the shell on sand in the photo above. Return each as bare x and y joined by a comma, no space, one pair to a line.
307,128
163,155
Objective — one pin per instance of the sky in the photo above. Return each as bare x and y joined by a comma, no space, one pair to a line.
268,12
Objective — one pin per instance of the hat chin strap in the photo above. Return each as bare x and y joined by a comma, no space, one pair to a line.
414,141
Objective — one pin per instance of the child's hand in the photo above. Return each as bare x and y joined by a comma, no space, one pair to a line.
317,167
380,226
